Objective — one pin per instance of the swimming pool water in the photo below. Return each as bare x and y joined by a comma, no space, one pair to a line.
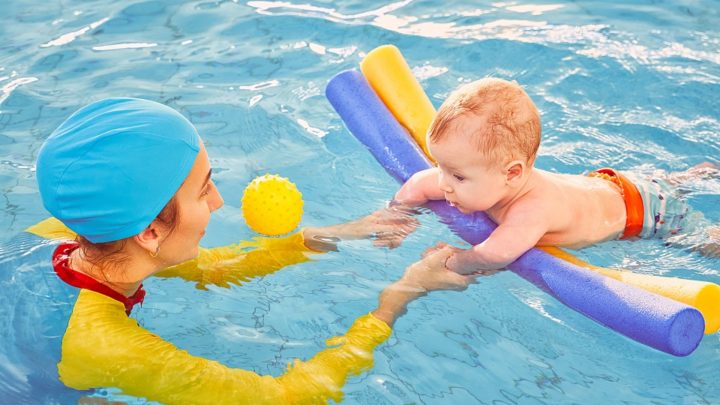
632,85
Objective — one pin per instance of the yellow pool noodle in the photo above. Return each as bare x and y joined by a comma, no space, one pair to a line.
703,295
391,78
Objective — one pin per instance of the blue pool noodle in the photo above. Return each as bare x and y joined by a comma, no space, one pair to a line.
648,318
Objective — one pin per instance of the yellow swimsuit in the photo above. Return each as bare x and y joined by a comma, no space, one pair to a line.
103,347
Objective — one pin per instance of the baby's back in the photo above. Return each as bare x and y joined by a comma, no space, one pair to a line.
581,210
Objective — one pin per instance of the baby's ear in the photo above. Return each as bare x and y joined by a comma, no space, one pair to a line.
514,171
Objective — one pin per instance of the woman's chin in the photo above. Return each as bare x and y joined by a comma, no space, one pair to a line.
189,254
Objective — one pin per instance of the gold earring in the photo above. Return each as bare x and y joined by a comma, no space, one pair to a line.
153,255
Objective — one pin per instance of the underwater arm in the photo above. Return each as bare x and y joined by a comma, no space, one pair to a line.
240,262
387,227
104,348
225,265
243,261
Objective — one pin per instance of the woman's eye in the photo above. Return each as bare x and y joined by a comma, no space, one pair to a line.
206,190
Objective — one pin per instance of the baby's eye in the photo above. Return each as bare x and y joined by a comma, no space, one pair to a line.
458,177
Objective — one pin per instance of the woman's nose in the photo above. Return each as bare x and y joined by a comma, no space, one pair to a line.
216,200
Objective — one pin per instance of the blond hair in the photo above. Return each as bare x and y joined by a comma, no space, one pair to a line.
508,125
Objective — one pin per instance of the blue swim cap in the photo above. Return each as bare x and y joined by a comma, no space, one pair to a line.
109,169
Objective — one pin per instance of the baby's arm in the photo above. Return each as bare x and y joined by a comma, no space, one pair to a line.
505,244
421,187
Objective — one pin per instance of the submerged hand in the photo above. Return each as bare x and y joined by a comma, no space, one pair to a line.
429,274
393,224
387,226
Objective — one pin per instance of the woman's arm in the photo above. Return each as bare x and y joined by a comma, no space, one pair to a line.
241,262
427,275
102,347
225,265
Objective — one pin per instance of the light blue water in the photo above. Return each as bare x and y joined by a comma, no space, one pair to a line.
633,85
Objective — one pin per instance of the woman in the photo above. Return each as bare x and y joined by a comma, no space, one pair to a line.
132,179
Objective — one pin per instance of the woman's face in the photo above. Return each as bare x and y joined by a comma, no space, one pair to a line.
196,199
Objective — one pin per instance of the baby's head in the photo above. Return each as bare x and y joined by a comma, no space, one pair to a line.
485,136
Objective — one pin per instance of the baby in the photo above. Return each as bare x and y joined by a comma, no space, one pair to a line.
485,139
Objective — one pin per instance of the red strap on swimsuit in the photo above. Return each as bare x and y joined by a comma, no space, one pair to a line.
633,202
60,260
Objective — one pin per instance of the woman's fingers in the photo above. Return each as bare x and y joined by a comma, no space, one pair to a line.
392,234
432,249
458,281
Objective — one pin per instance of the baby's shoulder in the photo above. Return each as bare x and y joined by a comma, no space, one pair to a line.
535,202
551,192
558,185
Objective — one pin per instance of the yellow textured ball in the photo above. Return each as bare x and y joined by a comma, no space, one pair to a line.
272,205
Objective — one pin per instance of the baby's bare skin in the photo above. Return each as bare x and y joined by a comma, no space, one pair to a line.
531,207
543,209
580,210
484,139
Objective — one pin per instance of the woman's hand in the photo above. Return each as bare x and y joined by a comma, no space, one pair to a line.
387,226
461,261
429,274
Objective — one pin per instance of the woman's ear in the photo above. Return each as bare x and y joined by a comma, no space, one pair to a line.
150,238
514,172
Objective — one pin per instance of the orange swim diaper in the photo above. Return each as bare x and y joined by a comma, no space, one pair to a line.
633,201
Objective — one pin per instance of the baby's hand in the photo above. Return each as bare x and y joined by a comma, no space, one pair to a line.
410,196
440,246
420,188
461,262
